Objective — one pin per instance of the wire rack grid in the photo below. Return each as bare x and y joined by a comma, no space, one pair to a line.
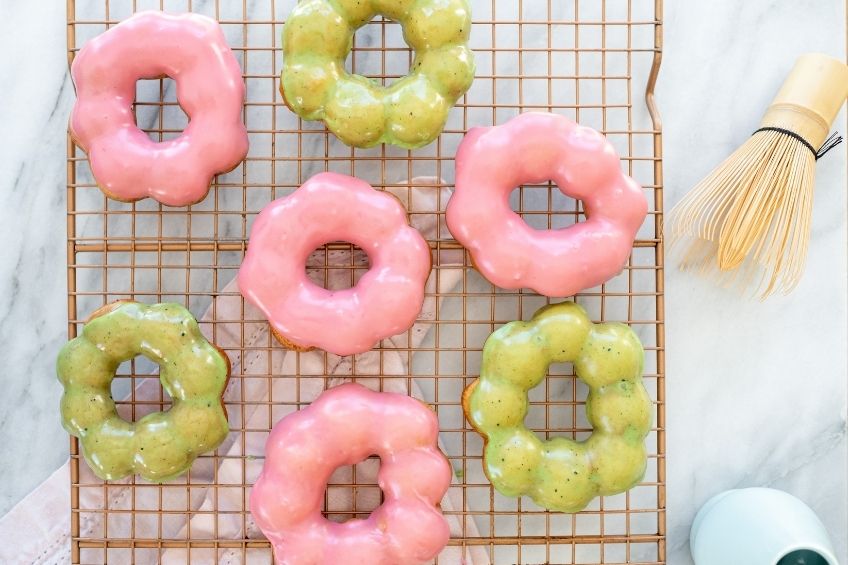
588,59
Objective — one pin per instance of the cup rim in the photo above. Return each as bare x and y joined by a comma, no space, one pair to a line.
822,551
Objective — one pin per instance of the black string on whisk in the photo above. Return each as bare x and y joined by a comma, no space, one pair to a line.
831,142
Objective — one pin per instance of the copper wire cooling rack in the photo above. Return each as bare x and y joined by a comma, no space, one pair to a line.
591,60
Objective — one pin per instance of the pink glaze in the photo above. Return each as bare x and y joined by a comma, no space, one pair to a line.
534,148
125,162
344,426
332,207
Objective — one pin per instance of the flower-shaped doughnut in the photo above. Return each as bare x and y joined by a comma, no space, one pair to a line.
532,148
332,207
125,162
345,425
562,474
160,445
411,112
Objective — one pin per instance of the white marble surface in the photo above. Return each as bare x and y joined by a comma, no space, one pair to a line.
756,393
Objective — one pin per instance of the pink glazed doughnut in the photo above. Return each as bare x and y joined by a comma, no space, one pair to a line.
345,425
332,207
532,148
125,162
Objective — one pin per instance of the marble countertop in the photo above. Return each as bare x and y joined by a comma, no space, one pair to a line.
756,392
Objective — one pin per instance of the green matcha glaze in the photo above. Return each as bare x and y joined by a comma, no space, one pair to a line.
161,445
562,474
411,112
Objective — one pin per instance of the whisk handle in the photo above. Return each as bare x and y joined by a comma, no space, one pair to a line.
810,98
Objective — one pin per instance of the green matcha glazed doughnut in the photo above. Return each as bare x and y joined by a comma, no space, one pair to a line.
562,474
161,445
411,112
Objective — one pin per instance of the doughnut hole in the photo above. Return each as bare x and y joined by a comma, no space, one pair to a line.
136,379
315,27
617,464
564,327
356,12
542,202
306,81
334,258
514,354
435,23
556,408
353,490
611,353
161,452
416,111
110,448
497,404
563,481
392,9
510,460
450,68
200,423
155,100
622,408
379,54
355,113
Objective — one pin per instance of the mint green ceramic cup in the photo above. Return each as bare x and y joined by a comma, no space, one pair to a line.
759,526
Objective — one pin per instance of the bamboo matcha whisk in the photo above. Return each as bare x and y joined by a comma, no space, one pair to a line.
749,221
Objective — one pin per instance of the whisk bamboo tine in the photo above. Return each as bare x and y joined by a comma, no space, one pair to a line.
754,207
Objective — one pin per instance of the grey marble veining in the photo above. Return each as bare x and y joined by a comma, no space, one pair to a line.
756,393
35,101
